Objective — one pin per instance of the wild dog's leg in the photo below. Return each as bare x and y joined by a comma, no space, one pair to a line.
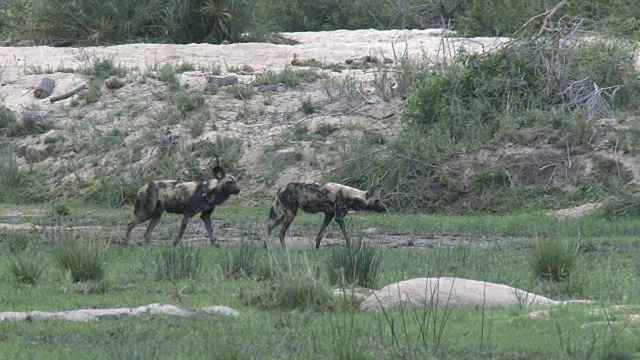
340,220
327,219
272,223
185,220
206,218
137,221
155,218
288,219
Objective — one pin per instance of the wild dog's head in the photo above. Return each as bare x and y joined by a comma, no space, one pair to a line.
372,201
227,185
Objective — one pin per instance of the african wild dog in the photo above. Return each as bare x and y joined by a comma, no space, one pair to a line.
187,198
334,200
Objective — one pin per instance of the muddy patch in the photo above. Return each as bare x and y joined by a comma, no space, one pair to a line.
226,233
229,233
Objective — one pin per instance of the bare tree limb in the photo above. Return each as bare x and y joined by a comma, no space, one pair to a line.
68,94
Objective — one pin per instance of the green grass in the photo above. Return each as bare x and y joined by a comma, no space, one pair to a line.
288,314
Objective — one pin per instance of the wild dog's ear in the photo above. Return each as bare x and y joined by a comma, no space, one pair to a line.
218,172
372,192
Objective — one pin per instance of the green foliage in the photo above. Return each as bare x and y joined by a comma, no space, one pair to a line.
554,260
178,263
103,68
241,261
26,269
480,102
307,15
82,257
99,22
465,102
504,17
357,264
624,203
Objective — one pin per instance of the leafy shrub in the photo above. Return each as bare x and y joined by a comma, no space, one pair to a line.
504,17
82,257
553,260
624,203
356,264
178,263
241,261
26,269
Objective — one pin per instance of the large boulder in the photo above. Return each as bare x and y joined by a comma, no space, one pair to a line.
450,291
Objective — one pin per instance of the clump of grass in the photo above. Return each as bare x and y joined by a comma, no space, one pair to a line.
178,263
188,101
241,92
197,122
287,76
82,257
554,260
241,261
103,68
295,288
26,269
355,264
17,242
8,121
308,107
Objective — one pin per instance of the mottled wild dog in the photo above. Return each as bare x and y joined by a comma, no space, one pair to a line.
334,200
187,198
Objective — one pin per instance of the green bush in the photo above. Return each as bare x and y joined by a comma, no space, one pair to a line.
481,101
178,263
504,17
356,264
82,257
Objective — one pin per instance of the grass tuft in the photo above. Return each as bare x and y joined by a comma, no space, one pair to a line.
82,257
241,261
26,269
178,263
553,260
17,242
356,264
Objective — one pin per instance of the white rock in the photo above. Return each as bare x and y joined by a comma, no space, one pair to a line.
449,291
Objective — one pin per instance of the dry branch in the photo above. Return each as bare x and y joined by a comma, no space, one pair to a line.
68,94
547,16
